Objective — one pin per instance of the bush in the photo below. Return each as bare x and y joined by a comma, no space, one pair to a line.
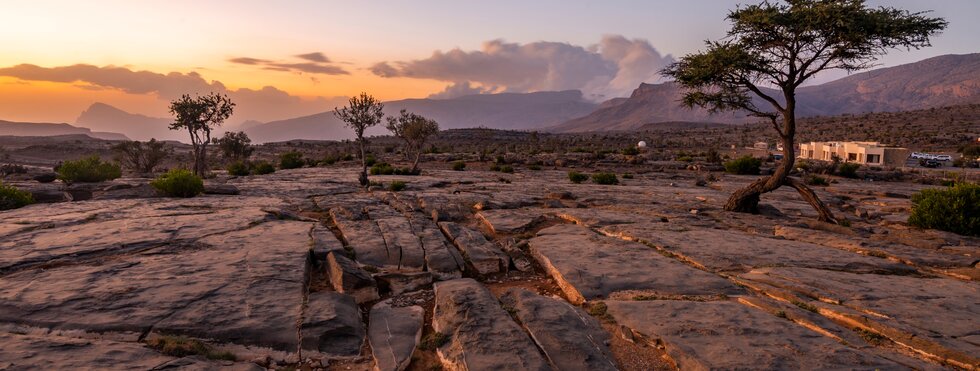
494,167
459,165
534,167
12,198
396,186
382,168
627,176
369,160
577,177
262,168
88,170
745,165
238,168
291,160
141,157
955,209
816,180
605,178
631,151
507,169
848,170
179,183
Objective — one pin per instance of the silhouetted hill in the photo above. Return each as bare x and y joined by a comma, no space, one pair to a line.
35,129
934,82
530,111
103,117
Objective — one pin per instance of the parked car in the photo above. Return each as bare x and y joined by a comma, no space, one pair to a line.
931,163
943,158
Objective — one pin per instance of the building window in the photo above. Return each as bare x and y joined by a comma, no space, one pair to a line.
852,157
874,159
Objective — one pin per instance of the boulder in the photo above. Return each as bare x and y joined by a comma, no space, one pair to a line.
332,325
346,277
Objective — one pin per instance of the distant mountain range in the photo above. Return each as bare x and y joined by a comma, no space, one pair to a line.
103,117
934,82
38,129
513,111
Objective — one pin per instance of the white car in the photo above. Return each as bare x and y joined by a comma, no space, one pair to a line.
943,158
917,155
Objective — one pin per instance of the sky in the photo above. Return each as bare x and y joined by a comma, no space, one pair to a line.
290,58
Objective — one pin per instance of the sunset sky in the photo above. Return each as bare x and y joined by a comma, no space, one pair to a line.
290,58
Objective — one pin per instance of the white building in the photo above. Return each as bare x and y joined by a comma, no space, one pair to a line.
864,153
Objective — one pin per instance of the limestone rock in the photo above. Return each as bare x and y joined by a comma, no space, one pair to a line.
394,333
570,338
483,255
589,266
398,283
346,277
482,336
332,324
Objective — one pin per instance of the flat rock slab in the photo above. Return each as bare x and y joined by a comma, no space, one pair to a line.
402,243
482,336
442,260
727,335
734,251
394,333
244,287
570,338
942,310
48,352
483,255
595,218
511,221
332,324
365,238
589,266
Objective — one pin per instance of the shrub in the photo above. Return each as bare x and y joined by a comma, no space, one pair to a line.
141,157
179,183
238,168
12,198
382,168
262,168
88,170
605,178
816,180
347,157
494,167
459,165
369,160
577,177
955,209
396,186
181,346
745,165
507,169
848,170
685,159
291,160
627,176
631,151
534,167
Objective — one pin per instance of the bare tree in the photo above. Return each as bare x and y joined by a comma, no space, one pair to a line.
199,116
772,49
414,130
361,113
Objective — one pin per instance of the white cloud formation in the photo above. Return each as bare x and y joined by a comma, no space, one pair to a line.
460,89
613,67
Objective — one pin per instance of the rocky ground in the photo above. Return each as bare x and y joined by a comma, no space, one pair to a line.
480,270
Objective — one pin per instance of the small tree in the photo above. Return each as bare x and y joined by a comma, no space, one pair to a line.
414,130
199,116
361,113
235,146
141,157
782,45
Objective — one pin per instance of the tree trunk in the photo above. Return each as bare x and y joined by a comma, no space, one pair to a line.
363,178
418,156
746,200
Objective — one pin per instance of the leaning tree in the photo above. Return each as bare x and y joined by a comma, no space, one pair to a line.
199,116
414,130
775,47
361,113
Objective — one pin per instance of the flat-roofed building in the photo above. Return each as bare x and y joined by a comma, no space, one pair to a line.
864,153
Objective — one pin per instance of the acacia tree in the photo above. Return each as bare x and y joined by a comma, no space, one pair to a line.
236,146
142,157
773,48
361,112
199,116
414,130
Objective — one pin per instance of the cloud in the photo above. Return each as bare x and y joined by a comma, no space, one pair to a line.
460,89
613,67
314,57
312,63
267,103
